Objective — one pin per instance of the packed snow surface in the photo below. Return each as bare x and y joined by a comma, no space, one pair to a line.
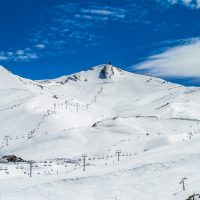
153,124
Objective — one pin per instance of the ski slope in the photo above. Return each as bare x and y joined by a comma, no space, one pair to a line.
154,123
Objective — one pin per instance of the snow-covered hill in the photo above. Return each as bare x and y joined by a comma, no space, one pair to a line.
154,123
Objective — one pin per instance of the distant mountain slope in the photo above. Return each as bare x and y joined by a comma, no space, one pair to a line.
98,97
97,112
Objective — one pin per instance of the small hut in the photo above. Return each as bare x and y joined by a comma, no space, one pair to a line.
12,158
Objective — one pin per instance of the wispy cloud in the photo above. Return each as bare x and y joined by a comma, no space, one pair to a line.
108,13
72,24
3,57
179,61
40,46
195,4
23,55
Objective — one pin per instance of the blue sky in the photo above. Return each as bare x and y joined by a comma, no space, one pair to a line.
43,39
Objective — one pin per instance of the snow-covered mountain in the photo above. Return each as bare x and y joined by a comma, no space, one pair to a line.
154,123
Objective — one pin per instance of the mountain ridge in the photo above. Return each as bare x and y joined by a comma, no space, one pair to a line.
103,68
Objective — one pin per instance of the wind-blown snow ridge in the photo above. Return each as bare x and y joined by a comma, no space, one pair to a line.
154,123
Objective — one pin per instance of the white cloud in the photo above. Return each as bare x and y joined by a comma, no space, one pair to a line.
113,12
189,3
26,57
40,46
179,61
71,24
23,55
20,52
98,12
3,58
10,53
